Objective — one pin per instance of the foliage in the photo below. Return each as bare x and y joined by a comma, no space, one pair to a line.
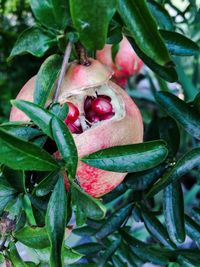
157,206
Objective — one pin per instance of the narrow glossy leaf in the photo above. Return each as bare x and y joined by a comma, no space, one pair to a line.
119,263
6,189
46,78
4,200
180,111
190,91
192,229
16,178
89,248
35,41
84,230
56,222
15,257
168,73
161,15
129,158
174,212
114,222
66,145
21,131
85,265
142,180
187,262
190,160
92,207
61,111
20,155
143,29
109,252
170,133
70,255
88,25
156,229
196,214
28,210
38,115
51,13
119,202
179,45
46,185
143,251
33,237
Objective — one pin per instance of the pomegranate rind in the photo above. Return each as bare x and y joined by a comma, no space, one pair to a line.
81,77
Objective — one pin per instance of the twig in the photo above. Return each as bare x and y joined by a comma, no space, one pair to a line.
65,64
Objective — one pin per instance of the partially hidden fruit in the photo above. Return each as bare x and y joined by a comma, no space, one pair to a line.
126,63
101,115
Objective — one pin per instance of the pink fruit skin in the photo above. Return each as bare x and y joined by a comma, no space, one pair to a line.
128,130
126,64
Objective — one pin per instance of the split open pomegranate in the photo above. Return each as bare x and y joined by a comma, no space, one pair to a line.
101,115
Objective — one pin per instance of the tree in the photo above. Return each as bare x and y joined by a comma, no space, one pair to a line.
38,215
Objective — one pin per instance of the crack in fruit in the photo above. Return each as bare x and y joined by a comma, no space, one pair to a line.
95,109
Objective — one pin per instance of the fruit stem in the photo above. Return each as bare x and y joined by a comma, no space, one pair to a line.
64,67
82,55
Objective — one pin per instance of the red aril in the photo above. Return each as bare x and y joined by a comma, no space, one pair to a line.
72,114
101,106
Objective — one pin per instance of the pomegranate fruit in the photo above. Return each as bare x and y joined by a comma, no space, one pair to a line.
101,115
126,64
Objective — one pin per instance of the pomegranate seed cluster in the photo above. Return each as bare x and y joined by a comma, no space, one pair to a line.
95,109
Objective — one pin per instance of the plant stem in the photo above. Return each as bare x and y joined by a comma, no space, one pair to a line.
65,64
82,55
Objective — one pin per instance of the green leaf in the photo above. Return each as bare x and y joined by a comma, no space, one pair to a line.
143,29
187,262
114,222
120,201
192,229
70,255
21,131
51,13
61,111
173,207
15,257
89,25
46,78
156,229
109,252
46,185
190,160
38,115
179,45
129,158
33,237
89,248
15,178
91,207
66,145
142,180
161,15
189,89
20,155
169,132
143,251
181,112
29,210
167,73
56,222
35,41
